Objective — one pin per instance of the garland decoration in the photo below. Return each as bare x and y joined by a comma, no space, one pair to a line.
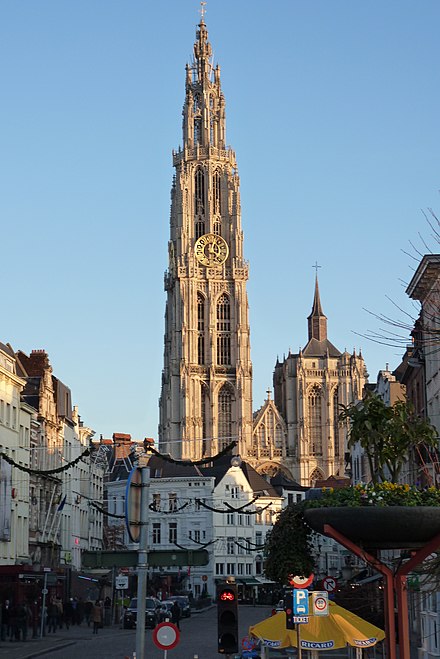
105,512
42,472
241,508
248,512
155,509
204,544
229,508
205,505
254,544
189,463
256,548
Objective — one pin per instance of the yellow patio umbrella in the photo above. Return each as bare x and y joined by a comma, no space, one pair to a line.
320,633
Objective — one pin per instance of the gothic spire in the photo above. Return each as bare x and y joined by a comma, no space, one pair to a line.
204,108
317,320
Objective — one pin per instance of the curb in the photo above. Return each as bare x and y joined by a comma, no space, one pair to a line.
53,648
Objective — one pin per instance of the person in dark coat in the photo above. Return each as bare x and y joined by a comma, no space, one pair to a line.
68,613
88,606
6,610
52,615
13,624
22,620
175,614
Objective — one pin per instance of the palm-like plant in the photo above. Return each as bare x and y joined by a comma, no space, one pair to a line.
387,434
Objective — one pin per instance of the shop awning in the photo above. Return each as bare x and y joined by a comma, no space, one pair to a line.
262,581
249,582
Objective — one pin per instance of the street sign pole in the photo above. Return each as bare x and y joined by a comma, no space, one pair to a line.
142,568
43,612
298,640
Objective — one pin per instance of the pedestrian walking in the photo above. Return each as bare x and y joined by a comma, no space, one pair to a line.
68,613
6,611
88,606
52,614
175,614
59,603
22,620
96,616
13,623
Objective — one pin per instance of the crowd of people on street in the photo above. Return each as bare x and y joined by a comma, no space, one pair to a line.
15,620
22,620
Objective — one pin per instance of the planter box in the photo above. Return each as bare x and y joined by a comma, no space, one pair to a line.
392,527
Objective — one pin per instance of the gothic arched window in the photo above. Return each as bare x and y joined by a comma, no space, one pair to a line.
316,475
336,421
224,416
315,421
199,192
197,130
216,193
199,202
205,443
196,103
200,329
223,331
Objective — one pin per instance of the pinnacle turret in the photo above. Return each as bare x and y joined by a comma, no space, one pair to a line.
204,108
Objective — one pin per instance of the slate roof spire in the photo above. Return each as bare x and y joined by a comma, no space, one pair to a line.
317,320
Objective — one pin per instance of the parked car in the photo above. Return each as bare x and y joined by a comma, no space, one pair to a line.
152,607
183,602
165,610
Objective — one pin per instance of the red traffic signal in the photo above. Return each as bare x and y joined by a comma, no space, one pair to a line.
227,595
227,618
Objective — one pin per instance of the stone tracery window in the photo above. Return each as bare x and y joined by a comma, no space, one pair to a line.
199,202
316,475
314,400
205,441
225,400
223,331
336,421
200,329
216,193
197,130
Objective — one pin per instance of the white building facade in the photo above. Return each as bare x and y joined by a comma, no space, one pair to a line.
15,423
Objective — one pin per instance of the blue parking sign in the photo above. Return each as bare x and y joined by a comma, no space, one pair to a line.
301,602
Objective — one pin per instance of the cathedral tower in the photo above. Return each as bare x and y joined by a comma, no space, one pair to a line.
206,396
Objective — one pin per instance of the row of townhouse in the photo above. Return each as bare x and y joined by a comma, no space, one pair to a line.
45,518
226,508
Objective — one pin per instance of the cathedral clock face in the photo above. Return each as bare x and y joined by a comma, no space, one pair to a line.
211,250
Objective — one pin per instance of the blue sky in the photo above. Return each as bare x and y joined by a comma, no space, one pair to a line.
332,109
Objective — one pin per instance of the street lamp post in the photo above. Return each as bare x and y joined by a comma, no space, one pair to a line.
142,567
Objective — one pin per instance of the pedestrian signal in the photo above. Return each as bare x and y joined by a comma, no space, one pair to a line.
288,608
227,618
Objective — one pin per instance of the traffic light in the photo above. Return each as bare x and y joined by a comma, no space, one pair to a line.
227,618
288,608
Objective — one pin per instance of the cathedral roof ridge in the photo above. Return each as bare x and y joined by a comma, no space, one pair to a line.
316,348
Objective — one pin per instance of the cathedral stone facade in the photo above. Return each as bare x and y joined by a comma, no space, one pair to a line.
206,395
309,388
